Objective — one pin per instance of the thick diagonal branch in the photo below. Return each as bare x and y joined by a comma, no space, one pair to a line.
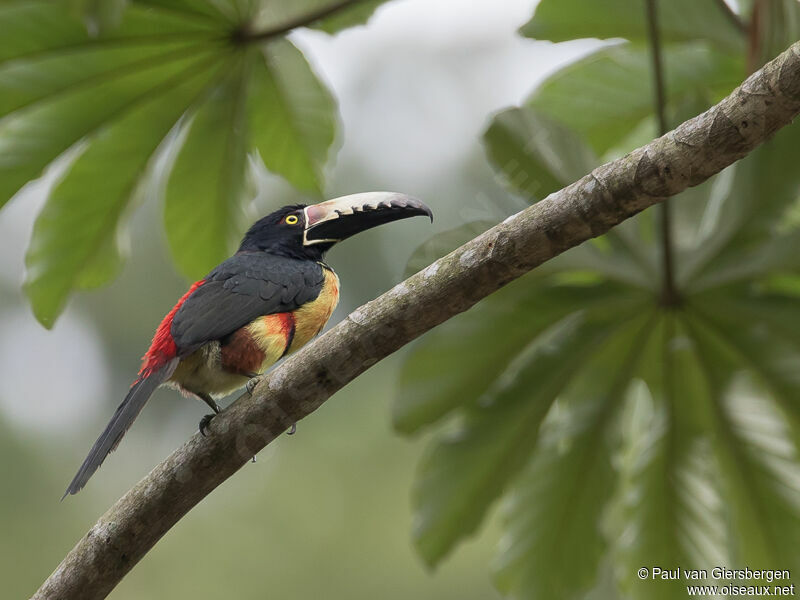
687,156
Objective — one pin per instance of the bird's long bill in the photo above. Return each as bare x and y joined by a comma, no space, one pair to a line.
334,220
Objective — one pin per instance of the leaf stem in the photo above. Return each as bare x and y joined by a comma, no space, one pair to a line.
755,51
669,293
245,36
732,16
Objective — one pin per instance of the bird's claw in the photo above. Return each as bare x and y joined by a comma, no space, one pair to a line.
252,383
292,429
204,424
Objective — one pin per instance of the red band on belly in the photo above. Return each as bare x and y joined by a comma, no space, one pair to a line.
241,354
287,326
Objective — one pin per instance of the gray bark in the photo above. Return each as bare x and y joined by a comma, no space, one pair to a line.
687,156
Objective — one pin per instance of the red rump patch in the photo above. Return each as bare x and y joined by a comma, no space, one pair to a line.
162,349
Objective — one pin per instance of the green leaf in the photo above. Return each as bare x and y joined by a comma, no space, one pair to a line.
292,116
679,21
48,97
746,218
553,542
61,88
536,155
36,29
84,209
604,96
456,363
99,15
465,470
360,12
760,460
442,244
620,259
203,208
761,334
672,512
33,137
777,26
757,459
336,14
201,11
104,264
741,262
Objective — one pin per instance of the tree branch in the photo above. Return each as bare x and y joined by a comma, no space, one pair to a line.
687,156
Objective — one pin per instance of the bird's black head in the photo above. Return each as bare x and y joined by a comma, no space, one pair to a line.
280,232
308,231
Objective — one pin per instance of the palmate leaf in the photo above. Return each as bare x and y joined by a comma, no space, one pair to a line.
553,541
679,21
466,469
170,75
536,155
745,219
203,203
744,262
442,243
445,371
761,335
347,13
696,438
99,15
671,511
50,73
757,457
293,116
777,26
358,14
215,11
604,96
84,209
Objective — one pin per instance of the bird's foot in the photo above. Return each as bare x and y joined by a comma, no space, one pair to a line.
208,400
252,383
292,429
204,424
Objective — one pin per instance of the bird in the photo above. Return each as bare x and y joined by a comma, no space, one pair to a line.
267,300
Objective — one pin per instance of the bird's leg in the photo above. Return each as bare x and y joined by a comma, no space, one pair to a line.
206,420
250,386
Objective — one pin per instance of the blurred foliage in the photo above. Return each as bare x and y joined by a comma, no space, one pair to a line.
611,421
189,88
619,430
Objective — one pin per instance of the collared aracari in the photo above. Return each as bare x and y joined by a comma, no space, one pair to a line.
269,299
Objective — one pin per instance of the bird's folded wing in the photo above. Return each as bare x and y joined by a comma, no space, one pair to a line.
241,289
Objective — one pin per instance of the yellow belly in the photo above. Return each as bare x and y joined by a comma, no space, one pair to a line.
310,318
271,333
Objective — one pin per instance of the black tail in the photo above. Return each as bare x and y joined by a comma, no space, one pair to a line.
123,417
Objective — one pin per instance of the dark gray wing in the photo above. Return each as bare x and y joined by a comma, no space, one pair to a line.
244,287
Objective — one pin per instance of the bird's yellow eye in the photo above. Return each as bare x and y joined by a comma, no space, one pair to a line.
292,220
